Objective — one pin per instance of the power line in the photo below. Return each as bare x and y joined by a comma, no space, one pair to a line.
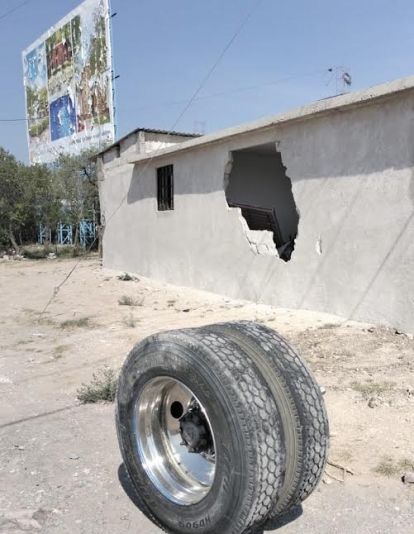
13,9
25,120
156,152
218,61
239,89
210,72
219,94
15,120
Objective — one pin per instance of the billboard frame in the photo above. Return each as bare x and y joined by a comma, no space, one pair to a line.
69,84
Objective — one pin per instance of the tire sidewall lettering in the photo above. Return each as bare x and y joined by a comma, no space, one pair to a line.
195,524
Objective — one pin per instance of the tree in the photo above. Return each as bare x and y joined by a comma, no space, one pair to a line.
42,199
11,192
31,195
77,182
28,196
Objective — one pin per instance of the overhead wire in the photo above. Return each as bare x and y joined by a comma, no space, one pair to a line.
217,62
200,86
27,119
207,96
241,89
13,9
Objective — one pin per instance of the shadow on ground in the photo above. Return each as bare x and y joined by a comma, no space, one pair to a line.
271,526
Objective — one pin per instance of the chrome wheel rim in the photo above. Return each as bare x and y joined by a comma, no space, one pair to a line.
175,440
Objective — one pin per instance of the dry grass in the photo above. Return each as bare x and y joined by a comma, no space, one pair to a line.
102,387
370,389
126,277
41,252
328,326
82,322
126,300
130,321
59,351
389,467
37,317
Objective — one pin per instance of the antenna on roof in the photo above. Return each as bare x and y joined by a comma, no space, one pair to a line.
343,79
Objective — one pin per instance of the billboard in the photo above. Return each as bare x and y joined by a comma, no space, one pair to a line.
68,85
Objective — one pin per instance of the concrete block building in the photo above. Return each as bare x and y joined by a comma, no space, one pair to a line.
311,209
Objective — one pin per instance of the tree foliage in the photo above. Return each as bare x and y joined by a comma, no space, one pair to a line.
38,194
76,180
10,193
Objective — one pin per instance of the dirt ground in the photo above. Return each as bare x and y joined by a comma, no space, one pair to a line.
59,459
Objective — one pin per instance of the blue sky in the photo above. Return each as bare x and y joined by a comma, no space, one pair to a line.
162,49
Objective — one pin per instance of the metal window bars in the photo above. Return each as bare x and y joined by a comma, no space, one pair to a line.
165,188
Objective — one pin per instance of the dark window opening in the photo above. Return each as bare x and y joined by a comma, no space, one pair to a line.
165,188
259,186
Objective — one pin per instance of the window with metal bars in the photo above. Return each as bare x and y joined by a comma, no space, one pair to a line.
165,188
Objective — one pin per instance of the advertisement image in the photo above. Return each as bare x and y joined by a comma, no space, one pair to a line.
62,117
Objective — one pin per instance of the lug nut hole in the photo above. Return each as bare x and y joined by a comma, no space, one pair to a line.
176,409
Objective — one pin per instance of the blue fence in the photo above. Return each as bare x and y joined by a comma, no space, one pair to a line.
44,234
65,233
87,232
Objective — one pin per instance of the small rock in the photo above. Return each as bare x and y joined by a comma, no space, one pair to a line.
408,478
373,402
73,456
186,310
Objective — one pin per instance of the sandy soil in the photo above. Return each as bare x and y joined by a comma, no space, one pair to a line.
59,460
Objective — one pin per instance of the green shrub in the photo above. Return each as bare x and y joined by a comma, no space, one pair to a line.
102,387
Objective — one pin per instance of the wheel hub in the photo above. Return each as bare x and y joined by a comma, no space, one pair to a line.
170,426
195,431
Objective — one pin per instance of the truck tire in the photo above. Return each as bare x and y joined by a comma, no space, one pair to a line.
299,402
199,433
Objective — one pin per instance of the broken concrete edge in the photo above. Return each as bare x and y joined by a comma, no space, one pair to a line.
271,241
322,107
260,241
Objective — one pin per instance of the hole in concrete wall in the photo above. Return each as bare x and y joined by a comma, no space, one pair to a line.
257,184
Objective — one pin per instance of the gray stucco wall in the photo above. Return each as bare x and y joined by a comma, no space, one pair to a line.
352,180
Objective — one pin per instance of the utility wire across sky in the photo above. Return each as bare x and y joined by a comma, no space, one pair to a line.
319,72
13,9
199,88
